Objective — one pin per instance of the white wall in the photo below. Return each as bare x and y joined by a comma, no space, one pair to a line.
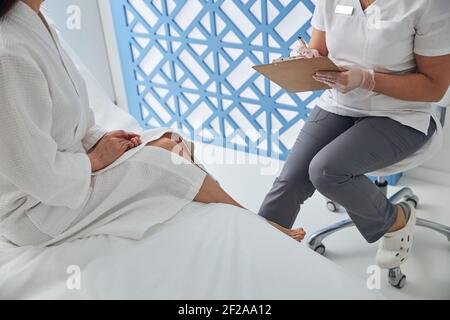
88,41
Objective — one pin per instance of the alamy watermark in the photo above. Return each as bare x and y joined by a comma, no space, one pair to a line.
73,21
211,154
73,281
374,279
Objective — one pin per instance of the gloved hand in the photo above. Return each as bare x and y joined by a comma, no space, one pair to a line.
349,79
303,52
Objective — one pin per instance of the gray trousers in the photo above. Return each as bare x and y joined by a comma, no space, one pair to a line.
332,154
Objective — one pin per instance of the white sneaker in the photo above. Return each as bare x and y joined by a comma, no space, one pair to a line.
395,247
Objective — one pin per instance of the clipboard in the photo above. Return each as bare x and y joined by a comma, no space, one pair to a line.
296,74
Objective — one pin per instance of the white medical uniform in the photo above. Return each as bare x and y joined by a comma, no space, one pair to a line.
384,37
47,191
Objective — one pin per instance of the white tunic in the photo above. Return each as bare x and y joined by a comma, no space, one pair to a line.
384,37
47,191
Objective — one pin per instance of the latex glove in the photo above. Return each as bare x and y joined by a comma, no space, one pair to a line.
303,52
348,80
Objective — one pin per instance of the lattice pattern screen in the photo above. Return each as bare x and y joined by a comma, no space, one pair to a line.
188,65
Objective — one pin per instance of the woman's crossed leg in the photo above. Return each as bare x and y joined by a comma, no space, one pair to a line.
210,191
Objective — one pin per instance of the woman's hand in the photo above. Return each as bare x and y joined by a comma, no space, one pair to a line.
111,147
347,80
303,52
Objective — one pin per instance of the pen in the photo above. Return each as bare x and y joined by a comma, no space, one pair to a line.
302,42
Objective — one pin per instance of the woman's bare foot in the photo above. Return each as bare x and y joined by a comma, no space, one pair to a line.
296,234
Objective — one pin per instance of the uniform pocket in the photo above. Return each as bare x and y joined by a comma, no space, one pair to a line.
318,114
390,43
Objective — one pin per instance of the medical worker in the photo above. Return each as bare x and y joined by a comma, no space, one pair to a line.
395,56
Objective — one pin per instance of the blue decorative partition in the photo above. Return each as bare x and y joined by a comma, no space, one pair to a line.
188,65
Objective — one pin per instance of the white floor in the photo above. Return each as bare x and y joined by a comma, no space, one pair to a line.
427,270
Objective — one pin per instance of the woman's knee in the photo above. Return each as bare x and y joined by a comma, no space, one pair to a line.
164,143
315,172
325,174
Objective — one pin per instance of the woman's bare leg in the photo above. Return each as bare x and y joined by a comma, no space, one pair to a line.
168,143
211,191
297,234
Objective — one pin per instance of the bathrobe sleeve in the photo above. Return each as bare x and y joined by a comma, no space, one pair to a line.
29,156
94,132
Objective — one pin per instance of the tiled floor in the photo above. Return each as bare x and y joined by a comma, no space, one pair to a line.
427,270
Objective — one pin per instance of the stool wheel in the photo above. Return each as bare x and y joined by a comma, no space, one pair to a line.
414,199
320,249
331,206
396,278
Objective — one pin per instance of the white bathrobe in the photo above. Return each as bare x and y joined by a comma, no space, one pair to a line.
47,191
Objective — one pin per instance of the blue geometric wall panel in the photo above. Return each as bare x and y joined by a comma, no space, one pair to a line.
188,65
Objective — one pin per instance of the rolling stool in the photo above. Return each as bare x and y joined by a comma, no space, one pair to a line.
395,276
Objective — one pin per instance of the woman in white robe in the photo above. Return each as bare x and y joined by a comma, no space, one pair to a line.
62,177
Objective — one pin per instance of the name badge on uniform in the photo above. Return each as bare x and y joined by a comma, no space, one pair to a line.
347,10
